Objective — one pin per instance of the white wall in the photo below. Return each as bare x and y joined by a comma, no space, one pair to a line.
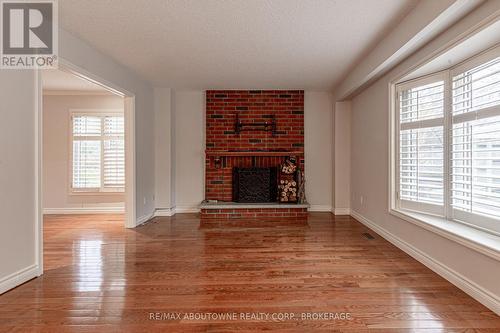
318,132
18,261
189,150
369,178
342,170
164,149
56,154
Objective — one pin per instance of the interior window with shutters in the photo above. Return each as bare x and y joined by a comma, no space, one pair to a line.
447,145
421,145
98,152
475,186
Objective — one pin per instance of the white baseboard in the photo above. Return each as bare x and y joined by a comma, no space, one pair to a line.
165,211
144,218
84,210
19,277
480,294
320,208
187,209
341,211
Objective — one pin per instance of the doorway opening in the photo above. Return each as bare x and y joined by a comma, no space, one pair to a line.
87,154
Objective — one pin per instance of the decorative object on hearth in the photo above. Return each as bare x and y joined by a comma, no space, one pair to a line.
290,166
287,187
288,191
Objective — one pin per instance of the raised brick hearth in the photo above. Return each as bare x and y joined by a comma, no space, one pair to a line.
250,213
250,129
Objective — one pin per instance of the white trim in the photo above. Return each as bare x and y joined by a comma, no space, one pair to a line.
165,211
476,60
319,208
145,218
416,206
476,220
442,228
77,93
130,162
18,278
84,210
93,78
38,171
341,211
421,81
98,191
187,209
471,288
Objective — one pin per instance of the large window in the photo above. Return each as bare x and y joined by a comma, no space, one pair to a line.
98,152
448,143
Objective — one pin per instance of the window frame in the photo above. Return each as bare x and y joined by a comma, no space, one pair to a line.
449,214
428,208
101,113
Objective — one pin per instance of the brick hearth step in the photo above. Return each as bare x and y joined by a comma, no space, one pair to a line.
235,210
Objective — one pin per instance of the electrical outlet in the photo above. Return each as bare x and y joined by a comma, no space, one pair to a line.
144,201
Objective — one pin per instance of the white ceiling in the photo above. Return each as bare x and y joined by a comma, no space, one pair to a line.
200,44
57,80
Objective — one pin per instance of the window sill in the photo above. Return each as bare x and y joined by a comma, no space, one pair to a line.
97,193
473,238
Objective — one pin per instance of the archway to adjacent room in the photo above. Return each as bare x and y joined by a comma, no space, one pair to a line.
113,149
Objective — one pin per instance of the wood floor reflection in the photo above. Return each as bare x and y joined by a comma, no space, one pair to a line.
100,277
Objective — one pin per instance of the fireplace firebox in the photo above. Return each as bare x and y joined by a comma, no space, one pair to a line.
255,185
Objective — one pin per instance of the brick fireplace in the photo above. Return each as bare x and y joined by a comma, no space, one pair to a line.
253,130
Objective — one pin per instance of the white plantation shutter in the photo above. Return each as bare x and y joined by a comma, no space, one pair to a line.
86,126
446,143
477,89
86,152
476,142
421,145
86,164
98,152
114,152
421,165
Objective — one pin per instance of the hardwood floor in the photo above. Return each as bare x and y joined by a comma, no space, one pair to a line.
100,277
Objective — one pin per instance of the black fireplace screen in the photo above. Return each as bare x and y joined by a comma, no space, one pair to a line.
255,185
